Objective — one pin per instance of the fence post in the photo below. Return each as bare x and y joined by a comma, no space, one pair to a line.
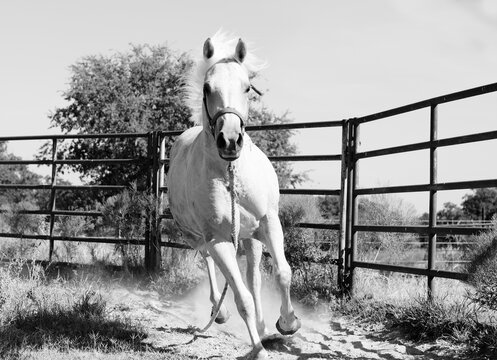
343,209
432,236
352,206
52,198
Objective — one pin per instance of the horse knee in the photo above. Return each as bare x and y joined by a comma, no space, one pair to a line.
284,275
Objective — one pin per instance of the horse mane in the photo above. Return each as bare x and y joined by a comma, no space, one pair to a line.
224,48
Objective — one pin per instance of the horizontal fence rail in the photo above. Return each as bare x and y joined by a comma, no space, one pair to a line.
479,90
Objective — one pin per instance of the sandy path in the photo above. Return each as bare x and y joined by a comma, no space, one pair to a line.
171,325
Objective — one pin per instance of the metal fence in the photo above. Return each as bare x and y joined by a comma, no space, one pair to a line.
52,212
348,191
432,230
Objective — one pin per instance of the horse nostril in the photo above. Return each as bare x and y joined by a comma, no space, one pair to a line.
221,142
240,140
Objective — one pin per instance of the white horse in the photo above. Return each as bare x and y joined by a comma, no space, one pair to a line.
199,194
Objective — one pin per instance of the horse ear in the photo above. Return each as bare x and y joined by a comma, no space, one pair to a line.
208,49
241,51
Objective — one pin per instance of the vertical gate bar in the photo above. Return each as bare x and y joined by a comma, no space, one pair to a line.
155,249
343,210
148,187
350,208
160,198
52,198
355,204
432,240
162,173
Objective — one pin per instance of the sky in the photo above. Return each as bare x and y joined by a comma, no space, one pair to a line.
327,60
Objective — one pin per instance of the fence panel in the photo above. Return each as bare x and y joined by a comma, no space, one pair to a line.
433,229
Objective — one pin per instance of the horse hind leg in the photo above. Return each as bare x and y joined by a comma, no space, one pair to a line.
287,323
215,296
253,251
223,253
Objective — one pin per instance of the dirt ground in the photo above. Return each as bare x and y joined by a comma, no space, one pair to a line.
171,329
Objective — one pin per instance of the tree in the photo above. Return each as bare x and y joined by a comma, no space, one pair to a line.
21,175
133,92
481,204
275,142
140,91
329,206
450,211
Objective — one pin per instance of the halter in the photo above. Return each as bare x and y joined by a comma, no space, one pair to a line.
223,111
226,110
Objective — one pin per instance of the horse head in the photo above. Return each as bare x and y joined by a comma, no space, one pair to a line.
226,100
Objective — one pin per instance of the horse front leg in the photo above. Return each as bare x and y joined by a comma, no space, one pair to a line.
223,253
223,314
287,323
253,251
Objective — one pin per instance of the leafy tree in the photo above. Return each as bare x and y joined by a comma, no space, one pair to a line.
133,92
275,142
139,91
450,211
18,174
481,204
329,206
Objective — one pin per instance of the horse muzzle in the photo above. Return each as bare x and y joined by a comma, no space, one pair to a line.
229,144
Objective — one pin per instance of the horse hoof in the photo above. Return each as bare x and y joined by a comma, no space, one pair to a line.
222,316
291,331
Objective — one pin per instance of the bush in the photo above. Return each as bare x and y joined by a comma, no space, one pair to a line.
314,277
126,214
483,268
71,226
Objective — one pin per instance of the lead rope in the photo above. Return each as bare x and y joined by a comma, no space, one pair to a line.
234,240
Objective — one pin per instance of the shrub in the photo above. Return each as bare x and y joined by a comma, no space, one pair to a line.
126,213
314,277
483,268
15,221
71,226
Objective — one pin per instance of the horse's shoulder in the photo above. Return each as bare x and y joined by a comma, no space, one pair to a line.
184,140
189,134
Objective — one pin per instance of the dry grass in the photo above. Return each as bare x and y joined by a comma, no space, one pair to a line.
39,314
400,302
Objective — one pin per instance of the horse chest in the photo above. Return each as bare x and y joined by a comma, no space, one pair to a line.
213,204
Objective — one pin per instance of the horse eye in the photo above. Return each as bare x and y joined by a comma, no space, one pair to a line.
248,89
